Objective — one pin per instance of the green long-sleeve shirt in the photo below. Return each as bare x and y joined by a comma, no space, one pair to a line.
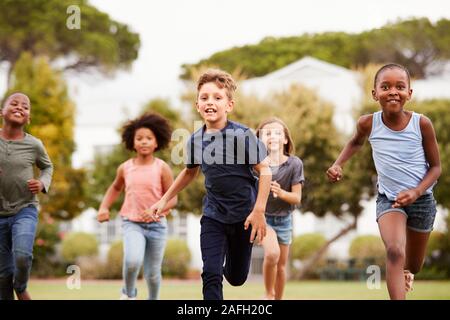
17,159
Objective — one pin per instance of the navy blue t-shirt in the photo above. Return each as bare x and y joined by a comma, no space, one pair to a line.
226,158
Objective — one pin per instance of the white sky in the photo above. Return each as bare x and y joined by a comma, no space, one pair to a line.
174,32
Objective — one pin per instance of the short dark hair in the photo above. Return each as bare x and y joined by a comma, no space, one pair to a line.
391,66
156,123
7,97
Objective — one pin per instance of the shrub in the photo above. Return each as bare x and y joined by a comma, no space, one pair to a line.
304,246
45,261
437,259
176,259
114,261
78,244
367,249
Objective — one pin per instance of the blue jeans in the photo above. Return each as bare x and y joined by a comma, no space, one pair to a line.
143,243
219,242
17,234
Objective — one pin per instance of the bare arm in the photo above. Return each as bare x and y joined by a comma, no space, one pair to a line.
167,181
256,218
431,150
363,129
111,195
186,176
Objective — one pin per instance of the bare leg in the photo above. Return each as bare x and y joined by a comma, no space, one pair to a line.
393,232
281,271
416,245
271,258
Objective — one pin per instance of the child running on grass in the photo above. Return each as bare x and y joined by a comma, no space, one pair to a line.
144,178
406,156
235,201
19,153
286,187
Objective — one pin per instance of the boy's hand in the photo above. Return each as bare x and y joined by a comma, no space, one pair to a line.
103,215
405,198
155,212
258,222
35,186
334,173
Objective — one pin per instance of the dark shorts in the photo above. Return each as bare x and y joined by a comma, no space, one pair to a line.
420,214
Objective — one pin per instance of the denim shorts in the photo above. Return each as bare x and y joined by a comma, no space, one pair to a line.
282,226
420,214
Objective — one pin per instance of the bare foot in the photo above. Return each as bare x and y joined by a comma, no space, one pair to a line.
23,295
409,278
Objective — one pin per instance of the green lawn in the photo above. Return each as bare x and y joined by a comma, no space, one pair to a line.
252,290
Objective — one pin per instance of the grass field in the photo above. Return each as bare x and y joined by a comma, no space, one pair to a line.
252,290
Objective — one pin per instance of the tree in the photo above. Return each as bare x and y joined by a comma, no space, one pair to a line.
52,121
39,27
416,43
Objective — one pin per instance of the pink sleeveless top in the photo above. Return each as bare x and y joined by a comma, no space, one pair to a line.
143,188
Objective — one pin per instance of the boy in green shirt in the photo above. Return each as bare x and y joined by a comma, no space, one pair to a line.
19,152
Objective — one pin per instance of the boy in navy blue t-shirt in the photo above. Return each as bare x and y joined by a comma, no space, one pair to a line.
233,209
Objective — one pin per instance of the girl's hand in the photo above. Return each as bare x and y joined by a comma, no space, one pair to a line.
334,173
275,188
35,186
103,215
148,216
155,212
406,197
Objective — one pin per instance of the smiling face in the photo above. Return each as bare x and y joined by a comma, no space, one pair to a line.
145,141
273,136
16,110
392,90
213,104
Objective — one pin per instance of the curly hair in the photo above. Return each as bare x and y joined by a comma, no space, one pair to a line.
156,123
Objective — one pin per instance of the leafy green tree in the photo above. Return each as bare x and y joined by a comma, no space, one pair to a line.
39,27
416,43
52,121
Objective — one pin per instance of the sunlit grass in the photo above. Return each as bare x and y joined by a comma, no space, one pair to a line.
251,290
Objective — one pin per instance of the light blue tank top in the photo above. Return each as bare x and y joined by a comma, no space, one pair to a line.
398,155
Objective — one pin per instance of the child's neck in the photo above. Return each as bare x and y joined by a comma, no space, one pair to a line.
9,132
144,159
216,126
277,157
396,120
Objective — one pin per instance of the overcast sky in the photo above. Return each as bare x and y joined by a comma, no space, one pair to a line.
174,32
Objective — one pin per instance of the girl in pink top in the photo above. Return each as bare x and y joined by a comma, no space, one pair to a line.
144,179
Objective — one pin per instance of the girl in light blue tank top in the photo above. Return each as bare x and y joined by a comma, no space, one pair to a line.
406,157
